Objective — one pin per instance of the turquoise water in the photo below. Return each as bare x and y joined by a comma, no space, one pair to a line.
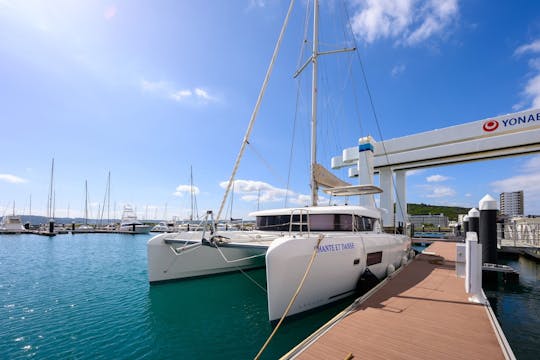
86,296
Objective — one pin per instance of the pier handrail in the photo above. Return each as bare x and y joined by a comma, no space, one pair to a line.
523,234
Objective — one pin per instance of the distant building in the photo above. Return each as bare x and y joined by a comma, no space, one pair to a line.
435,220
512,203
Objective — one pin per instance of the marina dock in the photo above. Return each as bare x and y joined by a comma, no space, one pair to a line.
420,312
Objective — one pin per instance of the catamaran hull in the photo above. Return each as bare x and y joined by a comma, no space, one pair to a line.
339,263
170,259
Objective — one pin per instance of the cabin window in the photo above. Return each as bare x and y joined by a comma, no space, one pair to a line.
374,258
363,223
317,222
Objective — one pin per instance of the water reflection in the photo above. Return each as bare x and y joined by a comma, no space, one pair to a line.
225,315
516,307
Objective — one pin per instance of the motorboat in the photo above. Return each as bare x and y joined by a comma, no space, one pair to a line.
11,224
163,226
130,224
160,227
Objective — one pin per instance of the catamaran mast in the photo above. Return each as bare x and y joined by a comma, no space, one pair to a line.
314,77
314,95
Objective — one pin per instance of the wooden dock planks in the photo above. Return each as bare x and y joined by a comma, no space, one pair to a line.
421,313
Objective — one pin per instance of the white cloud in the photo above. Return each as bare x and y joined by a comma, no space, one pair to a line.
532,165
12,179
533,47
531,92
528,181
253,191
436,178
437,191
180,95
437,15
415,172
197,96
534,63
203,94
398,69
409,22
441,191
186,189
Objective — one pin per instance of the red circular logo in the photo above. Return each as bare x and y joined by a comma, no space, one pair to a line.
490,125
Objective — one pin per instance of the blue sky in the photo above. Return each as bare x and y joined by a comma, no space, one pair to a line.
147,89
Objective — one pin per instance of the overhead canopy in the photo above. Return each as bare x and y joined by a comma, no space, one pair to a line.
352,190
325,178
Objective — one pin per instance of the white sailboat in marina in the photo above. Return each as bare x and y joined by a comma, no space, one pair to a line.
340,245
49,228
85,227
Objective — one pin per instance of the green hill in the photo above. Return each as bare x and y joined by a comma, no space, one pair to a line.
424,209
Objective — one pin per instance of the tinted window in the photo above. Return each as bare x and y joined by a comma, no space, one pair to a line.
318,222
363,223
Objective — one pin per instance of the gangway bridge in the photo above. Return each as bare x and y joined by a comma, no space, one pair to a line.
497,137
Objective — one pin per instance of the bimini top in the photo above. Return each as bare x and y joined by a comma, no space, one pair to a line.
352,190
340,209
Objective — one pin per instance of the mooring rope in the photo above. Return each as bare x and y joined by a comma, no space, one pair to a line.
252,280
240,269
236,260
293,299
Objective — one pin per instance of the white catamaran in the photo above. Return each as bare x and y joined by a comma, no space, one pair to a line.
339,245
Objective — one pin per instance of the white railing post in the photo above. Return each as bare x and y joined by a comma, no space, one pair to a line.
473,268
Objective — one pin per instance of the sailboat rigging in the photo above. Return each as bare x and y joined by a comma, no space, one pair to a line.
193,198
349,240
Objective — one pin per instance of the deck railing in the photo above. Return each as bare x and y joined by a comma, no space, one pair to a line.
519,235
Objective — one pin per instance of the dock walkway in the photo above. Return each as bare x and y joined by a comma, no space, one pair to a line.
422,312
